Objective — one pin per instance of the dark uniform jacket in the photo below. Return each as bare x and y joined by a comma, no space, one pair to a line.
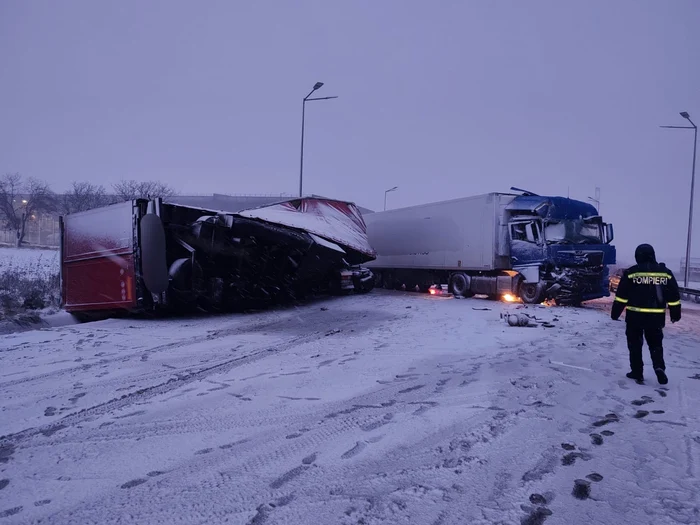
646,289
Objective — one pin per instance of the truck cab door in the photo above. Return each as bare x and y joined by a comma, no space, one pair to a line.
526,243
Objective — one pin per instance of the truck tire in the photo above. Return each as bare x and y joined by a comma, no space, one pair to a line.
531,293
366,285
459,285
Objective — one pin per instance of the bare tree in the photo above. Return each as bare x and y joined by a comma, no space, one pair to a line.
132,189
84,196
21,199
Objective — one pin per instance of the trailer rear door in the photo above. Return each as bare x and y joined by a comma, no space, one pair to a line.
98,259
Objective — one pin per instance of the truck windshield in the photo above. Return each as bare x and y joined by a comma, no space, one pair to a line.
575,231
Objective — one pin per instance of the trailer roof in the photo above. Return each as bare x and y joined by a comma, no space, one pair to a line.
458,199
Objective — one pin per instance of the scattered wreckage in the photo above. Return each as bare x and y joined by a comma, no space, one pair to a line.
145,256
523,319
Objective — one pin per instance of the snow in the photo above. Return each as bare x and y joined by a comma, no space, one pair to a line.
333,220
385,408
323,242
29,262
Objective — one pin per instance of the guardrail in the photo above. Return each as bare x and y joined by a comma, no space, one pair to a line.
690,294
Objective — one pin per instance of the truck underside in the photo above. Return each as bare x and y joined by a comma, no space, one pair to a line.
221,263
175,258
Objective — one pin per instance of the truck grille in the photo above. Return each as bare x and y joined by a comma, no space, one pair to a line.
578,284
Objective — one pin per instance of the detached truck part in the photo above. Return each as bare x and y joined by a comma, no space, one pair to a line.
148,255
523,245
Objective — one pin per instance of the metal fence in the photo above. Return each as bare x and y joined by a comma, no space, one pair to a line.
694,264
693,274
42,231
690,295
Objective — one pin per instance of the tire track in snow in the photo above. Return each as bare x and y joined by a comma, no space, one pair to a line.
160,389
240,329
468,454
340,322
420,461
257,455
421,485
274,320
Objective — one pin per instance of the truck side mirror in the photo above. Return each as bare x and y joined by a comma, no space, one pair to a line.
609,234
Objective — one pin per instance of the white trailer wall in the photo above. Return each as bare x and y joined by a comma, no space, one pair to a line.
464,233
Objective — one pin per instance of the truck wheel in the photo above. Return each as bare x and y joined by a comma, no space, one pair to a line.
459,284
531,293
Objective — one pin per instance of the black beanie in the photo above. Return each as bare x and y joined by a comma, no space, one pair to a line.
645,253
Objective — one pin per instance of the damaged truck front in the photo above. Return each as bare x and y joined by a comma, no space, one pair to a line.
150,255
561,247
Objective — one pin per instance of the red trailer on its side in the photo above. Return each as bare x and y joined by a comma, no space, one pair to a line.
147,255
99,258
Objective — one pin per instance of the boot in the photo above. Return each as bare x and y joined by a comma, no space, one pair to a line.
637,376
661,376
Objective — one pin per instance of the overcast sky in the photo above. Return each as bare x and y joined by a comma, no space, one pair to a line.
442,98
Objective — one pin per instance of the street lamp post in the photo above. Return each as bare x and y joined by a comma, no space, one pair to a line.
596,199
692,126
317,86
387,191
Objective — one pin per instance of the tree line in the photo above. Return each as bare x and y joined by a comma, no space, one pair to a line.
24,197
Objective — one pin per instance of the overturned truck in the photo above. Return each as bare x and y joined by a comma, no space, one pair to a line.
149,255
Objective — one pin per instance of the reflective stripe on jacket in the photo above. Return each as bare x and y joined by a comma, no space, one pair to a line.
646,290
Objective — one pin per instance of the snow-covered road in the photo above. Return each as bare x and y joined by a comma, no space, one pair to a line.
386,408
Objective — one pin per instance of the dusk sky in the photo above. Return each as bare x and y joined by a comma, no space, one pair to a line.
443,99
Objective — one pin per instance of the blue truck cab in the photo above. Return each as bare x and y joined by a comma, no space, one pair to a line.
561,248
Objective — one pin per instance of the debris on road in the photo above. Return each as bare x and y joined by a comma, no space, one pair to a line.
570,366
522,319
518,320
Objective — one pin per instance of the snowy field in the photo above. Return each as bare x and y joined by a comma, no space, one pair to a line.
29,262
28,283
386,408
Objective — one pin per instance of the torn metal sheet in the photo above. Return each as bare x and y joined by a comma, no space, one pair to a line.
337,221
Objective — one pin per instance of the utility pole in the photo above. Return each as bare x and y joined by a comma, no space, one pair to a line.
692,126
387,191
596,200
317,86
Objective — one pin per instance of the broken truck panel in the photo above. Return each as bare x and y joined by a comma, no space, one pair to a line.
147,255
337,221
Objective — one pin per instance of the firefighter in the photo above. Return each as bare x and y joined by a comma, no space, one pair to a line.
645,290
